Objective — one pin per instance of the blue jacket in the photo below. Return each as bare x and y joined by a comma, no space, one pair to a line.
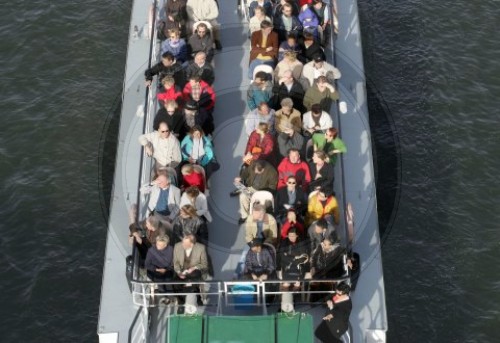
187,147
180,52
256,95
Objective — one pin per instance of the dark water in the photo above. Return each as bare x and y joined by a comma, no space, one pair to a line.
434,82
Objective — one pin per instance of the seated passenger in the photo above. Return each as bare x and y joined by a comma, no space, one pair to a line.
190,262
259,262
201,92
287,23
201,41
316,68
196,116
330,144
192,178
293,256
291,222
198,149
159,263
143,235
289,139
287,117
260,91
316,120
294,166
321,10
289,63
261,225
264,47
322,205
290,197
189,223
259,176
171,92
289,87
327,261
322,173
291,45
164,200
321,93
172,115
257,18
176,46
200,67
262,114
309,21
260,145
278,9
167,67
311,47
266,5
205,10
318,231
193,196
175,11
163,146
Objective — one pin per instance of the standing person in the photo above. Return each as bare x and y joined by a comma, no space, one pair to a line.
336,320
205,10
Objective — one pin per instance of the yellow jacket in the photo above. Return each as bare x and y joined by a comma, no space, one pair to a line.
316,211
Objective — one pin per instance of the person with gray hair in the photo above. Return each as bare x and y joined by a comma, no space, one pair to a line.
287,117
289,87
201,67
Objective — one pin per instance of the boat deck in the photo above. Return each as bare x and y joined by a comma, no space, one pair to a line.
117,312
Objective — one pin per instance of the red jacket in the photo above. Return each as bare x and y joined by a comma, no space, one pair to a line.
299,170
194,179
207,96
287,225
265,146
173,93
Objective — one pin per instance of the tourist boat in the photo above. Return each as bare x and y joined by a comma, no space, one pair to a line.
129,310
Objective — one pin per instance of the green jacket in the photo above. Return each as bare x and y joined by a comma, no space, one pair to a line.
320,142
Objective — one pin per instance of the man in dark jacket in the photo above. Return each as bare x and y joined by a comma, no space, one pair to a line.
259,262
288,87
200,67
258,176
201,40
172,115
167,67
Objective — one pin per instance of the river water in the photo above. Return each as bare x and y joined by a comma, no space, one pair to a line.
433,79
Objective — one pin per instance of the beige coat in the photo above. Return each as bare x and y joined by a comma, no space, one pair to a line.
198,258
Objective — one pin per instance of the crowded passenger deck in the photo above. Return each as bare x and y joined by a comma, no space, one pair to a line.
241,206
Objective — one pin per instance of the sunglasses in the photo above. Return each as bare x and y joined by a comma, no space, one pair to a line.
291,183
165,131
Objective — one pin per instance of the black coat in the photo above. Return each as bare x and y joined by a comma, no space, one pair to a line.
206,73
327,178
175,122
296,93
281,199
175,70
